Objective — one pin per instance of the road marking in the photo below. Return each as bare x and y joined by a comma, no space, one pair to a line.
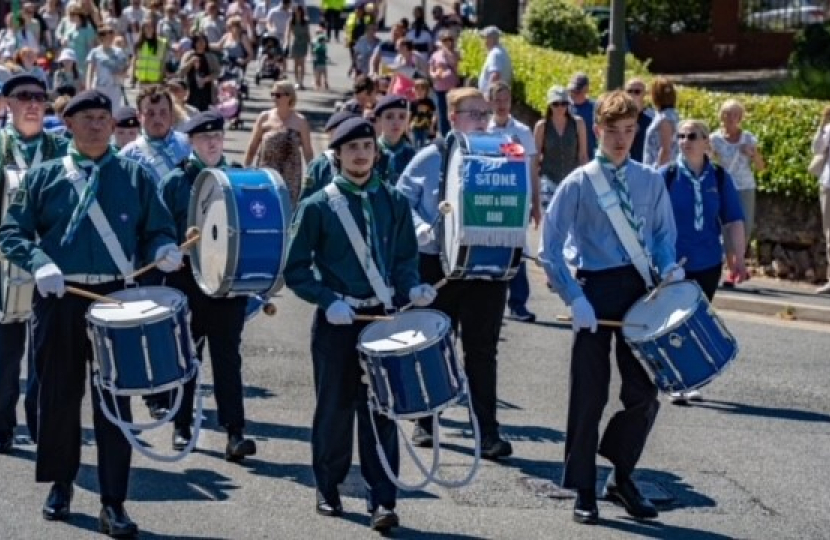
774,321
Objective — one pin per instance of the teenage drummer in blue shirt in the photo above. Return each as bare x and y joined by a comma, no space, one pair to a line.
706,207
220,321
606,285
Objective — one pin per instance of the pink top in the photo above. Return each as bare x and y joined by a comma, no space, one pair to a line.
443,59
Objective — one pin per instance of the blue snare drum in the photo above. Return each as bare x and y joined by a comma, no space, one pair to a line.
487,186
143,345
244,217
411,364
681,341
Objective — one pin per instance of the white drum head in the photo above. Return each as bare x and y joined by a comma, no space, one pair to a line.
451,222
673,304
408,331
210,210
142,305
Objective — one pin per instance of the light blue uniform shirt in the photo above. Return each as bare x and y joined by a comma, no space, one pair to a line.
577,231
420,184
174,149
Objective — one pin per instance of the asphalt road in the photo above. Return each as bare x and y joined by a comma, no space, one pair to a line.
748,462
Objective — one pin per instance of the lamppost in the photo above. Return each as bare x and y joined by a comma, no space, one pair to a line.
615,74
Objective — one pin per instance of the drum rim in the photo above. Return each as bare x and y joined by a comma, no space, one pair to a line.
369,354
178,307
280,185
669,329
109,385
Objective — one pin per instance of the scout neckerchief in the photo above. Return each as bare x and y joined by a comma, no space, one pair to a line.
26,153
621,188
697,182
368,216
92,170
163,147
394,151
198,164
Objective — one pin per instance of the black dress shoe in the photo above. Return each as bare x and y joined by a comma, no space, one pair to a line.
495,448
157,411
181,438
585,508
384,519
329,506
115,522
421,437
238,447
57,503
626,493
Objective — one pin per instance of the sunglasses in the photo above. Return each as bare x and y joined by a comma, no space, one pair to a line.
26,97
689,136
634,91
277,95
447,40
559,104
104,33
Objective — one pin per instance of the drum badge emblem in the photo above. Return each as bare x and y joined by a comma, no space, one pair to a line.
676,340
258,209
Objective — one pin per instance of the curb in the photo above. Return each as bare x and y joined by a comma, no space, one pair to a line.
775,308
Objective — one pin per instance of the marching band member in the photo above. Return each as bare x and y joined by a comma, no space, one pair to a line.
321,169
159,148
340,288
218,320
127,127
608,282
392,118
46,233
23,145
476,305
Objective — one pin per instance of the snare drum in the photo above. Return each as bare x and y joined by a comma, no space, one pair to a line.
411,364
244,217
487,184
142,346
16,285
681,341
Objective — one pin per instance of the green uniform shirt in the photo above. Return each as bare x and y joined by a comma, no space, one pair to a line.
318,174
392,160
319,240
51,147
31,233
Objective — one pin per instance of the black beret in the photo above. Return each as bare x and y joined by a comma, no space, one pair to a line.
19,80
204,122
390,102
88,100
126,117
338,118
350,130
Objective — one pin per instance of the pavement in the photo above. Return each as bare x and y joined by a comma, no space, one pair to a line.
748,462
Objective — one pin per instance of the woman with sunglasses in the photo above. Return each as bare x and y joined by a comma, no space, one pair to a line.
443,69
107,67
707,209
282,139
562,141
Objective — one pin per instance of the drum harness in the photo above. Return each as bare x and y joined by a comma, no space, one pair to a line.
125,266
339,204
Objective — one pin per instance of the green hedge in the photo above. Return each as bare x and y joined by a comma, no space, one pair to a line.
784,125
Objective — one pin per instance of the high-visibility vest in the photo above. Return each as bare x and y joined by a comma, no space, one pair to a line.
334,4
149,67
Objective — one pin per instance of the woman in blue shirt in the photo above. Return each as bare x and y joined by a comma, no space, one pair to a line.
706,207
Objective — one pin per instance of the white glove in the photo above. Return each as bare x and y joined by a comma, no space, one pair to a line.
582,315
673,272
168,258
424,234
49,280
422,295
339,312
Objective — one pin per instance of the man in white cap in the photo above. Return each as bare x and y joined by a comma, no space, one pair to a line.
497,66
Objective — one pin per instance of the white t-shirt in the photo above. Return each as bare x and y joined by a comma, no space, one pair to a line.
735,162
130,22
497,61
279,19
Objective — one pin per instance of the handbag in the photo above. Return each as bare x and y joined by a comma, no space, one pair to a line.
817,164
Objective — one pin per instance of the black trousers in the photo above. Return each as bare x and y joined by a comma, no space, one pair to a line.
219,322
476,308
611,293
332,18
708,279
341,395
61,353
12,350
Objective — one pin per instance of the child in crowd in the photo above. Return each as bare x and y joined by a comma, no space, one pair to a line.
320,60
424,120
67,74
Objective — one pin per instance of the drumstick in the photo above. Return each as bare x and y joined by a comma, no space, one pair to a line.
532,258
91,295
605,322
192,237
663,283
444,208
438,285
373,318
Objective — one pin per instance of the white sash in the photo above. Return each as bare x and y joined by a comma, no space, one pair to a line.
78,179
18,155
338,203
610,204
157,160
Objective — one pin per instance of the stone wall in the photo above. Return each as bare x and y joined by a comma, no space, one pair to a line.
788,235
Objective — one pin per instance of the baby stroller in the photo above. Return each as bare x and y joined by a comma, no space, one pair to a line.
233,69
229,103
271,59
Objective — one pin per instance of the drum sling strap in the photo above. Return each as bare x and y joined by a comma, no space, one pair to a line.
340,206
610,204
77,178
